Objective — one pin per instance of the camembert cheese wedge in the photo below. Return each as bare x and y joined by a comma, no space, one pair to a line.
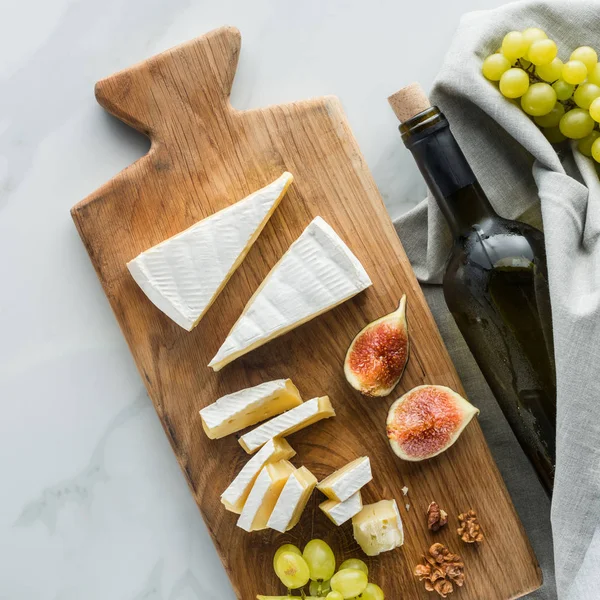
264,495
340,512
183,275
345,482
235,495
378,527
293,420
248,407
292,501
317,273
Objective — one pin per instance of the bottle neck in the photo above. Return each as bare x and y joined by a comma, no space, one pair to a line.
447,172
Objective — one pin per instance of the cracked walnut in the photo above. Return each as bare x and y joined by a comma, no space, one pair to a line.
436,517
470,529
441,570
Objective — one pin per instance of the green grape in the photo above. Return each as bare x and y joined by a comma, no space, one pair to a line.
550,72
372,592
596,151
594,75
585,145
286,548
494,65
334,596
514,83
576,124
595,110
533,34
319,588
320,560
587,56
563,89
585,94
539,99
514,45
292,570
574,72
542,52
553,135
349,582
355,563
552,119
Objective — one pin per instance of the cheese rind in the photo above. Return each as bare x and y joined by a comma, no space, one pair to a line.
184,274
340,512
317,273
264,495
249,406
292,500
289,422
235,495
378,527
346,481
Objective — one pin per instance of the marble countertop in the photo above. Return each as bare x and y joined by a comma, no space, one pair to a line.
93,505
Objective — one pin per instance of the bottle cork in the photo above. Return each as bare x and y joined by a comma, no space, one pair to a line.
409,101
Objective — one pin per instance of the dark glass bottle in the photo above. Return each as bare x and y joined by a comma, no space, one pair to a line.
496,287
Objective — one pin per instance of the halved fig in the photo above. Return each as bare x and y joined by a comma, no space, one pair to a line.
426,421
378,355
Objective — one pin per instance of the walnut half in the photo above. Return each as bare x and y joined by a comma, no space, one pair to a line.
470,529
441,570
436,517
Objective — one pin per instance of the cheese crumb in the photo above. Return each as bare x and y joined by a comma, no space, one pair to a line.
405,490
407,507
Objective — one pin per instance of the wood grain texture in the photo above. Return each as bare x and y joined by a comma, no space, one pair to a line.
204,156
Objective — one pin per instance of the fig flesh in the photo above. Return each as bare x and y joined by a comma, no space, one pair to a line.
378,355
426,421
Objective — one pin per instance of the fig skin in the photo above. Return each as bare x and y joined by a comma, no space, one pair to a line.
426,421
378,355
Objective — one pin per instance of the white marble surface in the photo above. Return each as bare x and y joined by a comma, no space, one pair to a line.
93,505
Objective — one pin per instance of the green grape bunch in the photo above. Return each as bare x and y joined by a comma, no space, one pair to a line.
562,98
315,567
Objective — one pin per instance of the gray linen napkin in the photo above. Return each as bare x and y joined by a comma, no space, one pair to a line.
522,173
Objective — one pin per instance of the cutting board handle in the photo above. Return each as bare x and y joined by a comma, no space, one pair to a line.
200,72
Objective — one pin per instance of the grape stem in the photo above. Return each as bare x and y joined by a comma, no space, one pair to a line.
530,70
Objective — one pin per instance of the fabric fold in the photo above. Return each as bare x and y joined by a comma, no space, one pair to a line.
528,179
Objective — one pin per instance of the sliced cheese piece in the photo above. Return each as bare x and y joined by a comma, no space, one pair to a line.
292,501
317,273
345,482
184,274
293,420
378,527
248,407
235,495
264,495
340,512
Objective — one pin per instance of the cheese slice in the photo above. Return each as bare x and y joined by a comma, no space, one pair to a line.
292,501
293,420
317,272
378,527
235,495
248,407
340,512
345,482
264,495
184,274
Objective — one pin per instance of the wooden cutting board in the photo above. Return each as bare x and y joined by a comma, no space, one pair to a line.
204,156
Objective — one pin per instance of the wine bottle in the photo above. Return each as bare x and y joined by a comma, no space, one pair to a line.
495,283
